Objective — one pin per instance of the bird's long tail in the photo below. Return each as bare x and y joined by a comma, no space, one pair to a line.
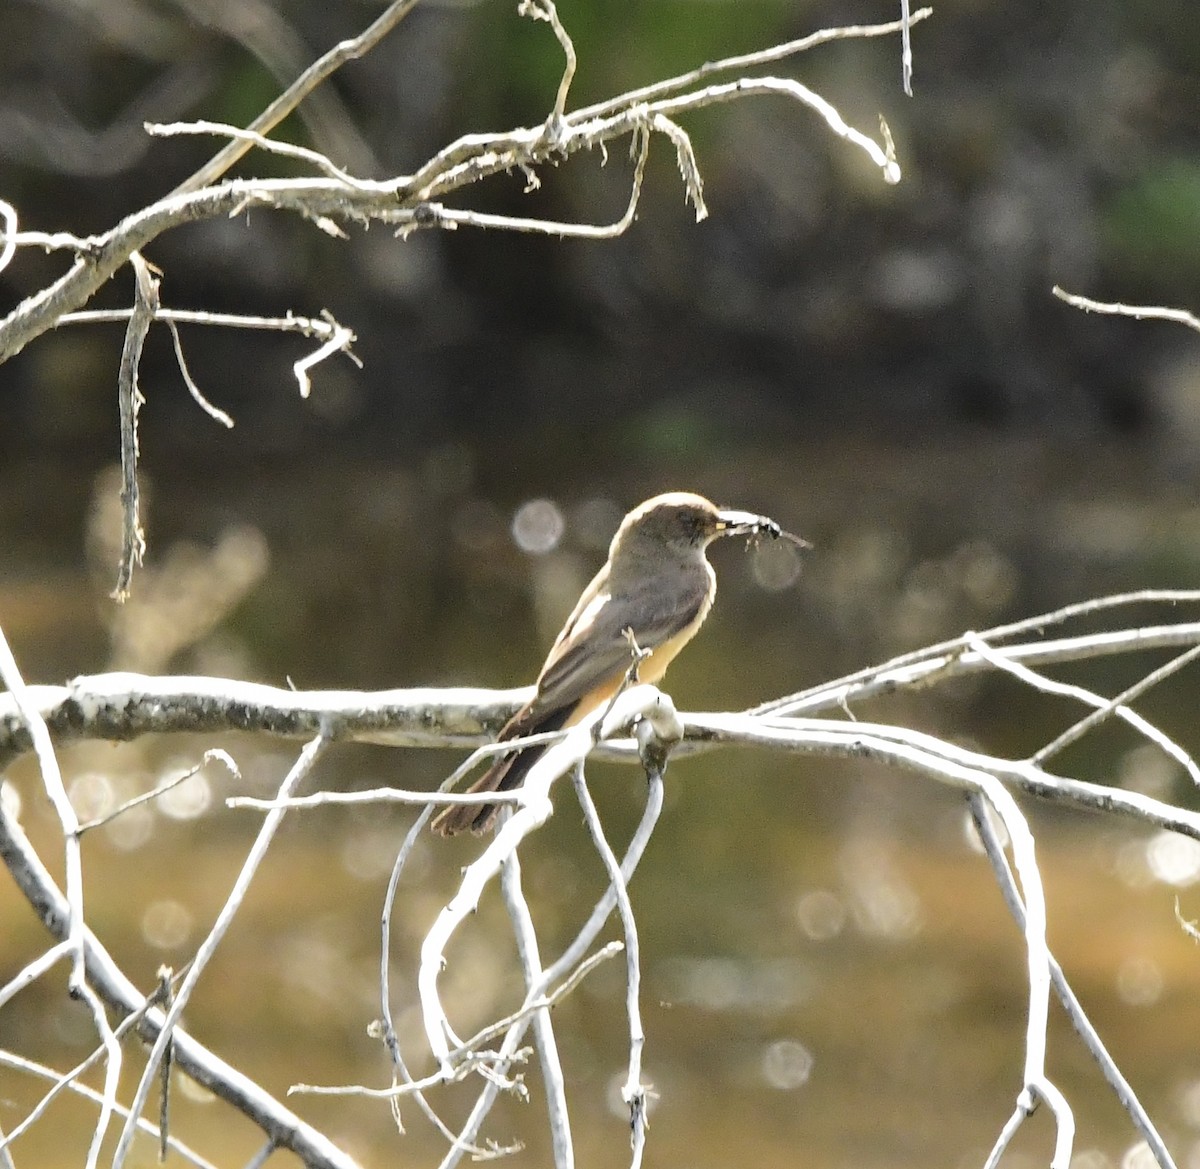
504,775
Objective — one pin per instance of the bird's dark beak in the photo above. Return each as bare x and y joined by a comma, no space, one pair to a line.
746,523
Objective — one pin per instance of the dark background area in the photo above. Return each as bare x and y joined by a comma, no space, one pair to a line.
880,368
1044,145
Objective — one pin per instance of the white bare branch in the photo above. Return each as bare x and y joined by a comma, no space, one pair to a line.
298,773
533,809
1139,312
337,196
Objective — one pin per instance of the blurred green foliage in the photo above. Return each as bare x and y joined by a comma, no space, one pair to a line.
1151,228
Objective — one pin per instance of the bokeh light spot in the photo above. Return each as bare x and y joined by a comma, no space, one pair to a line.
166,924
538,526
1139,982
786,1065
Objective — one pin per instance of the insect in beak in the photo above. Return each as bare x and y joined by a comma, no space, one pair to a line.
737,523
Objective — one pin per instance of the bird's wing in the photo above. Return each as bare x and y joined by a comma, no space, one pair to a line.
593,649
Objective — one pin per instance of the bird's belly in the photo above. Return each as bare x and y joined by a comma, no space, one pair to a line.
651,669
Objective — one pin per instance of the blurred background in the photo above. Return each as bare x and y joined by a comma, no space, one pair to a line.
830,975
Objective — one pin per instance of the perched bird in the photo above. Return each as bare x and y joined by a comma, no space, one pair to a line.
656,588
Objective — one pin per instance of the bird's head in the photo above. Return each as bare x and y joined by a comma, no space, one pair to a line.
684,522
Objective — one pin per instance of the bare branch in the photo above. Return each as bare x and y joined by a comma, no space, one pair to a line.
912,750
906,56
530,957
1138,312
1104,707
1082,1024
212,411
744,61
145,304
545,10
469,159
33,1068
313,76
1117,704
1036,1085
318,328
282,1126
571,959
935,661
9,214
52,780
633,1092
252,138
436,214
298,773
533,811
127,706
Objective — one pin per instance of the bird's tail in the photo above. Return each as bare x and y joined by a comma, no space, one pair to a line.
502,776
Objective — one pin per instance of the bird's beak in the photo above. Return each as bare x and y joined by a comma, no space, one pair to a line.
746,523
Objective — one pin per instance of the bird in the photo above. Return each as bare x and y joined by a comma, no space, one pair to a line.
653,593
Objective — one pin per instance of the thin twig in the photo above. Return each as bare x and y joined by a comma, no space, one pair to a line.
402,1079
1079,1020
935,658
340,341
165,992
634,1091
545,10
529,955
685,157
9,214
906,55
1104,708
1116,704
486,1035
145,305
253,138
68,1080
33,1068
214,753
295,776
544,999
32,971
212,411
378,795
319,328
1138,312
291,97
285,1128
744,61
563,968
451,218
